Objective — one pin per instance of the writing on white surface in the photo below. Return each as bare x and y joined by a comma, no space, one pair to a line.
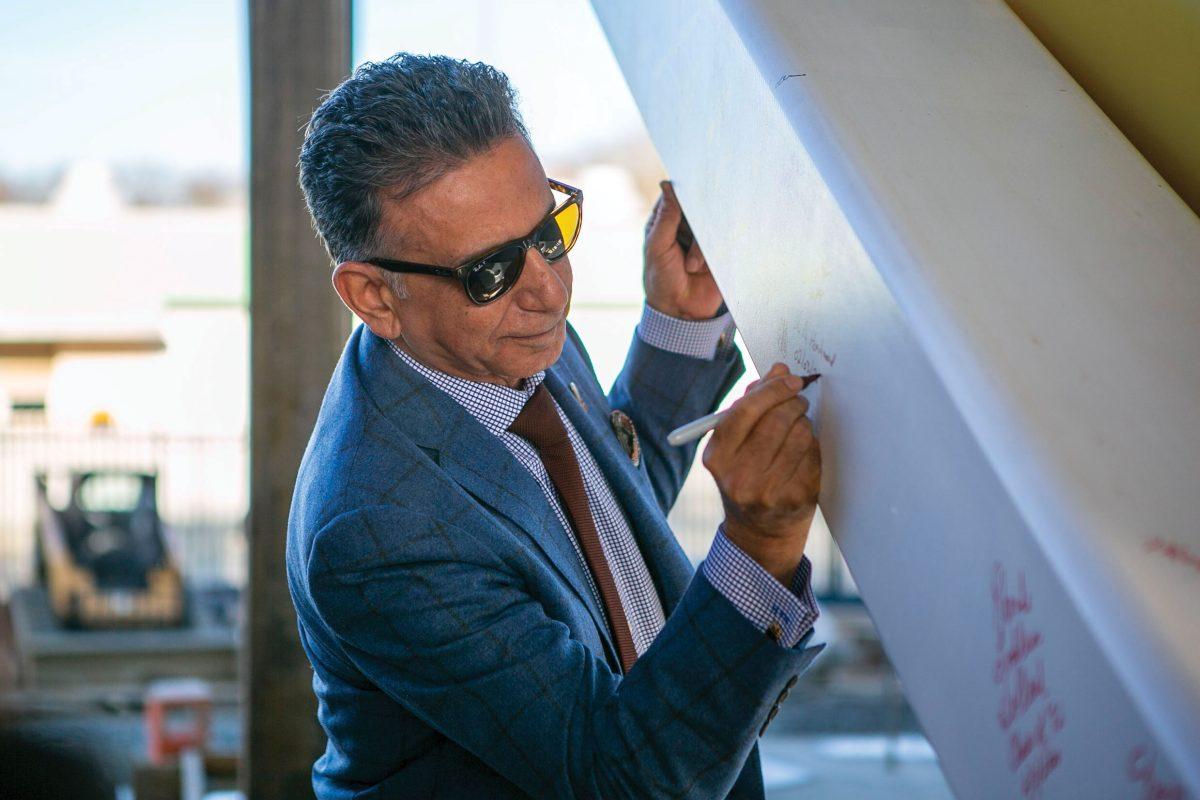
1027,712
1140,769
1178,552
812,355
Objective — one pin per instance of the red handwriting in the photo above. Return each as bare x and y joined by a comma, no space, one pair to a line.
1174,551
1021,693
1049,721
1047,761
1026,709
1019,648
1006,606
1139,766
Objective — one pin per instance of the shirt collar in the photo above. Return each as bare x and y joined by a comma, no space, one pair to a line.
495,406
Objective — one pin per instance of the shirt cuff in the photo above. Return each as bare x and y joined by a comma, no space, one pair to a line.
698,338
757,595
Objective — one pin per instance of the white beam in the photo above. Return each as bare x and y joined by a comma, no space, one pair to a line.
913,198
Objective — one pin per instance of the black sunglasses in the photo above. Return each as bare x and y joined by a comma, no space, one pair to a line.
486,278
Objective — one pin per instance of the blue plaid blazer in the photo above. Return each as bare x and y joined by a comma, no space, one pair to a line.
457,651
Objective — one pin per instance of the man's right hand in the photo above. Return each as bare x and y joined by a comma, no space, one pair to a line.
767,465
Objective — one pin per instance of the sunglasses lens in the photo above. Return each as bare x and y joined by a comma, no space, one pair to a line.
492,277
558,235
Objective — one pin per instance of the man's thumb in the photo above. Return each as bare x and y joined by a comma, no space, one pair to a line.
666,220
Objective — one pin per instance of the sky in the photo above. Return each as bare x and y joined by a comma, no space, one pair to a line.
164,84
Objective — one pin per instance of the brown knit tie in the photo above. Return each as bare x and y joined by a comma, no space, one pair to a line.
539,423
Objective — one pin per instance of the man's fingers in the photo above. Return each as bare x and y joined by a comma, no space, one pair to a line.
765,441
794,451
808,449
661,236
745,412
778,368
653,217
694,262
669,192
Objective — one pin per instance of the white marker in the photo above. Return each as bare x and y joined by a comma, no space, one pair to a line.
698,427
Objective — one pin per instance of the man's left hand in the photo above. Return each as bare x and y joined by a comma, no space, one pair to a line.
677,283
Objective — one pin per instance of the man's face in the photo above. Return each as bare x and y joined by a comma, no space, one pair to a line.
494,197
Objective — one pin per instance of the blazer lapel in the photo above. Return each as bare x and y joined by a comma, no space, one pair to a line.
477,461
669,567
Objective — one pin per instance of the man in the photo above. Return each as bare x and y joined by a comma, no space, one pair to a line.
478,551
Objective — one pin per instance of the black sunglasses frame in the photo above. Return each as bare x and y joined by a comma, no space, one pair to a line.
575,196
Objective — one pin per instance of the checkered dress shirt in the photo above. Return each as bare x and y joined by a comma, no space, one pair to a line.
756,594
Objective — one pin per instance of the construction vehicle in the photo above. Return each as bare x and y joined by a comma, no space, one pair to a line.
103,557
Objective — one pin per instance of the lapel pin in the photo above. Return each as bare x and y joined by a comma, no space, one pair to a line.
627,435
578,396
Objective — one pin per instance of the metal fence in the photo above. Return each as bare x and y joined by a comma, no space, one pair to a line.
202,493
203,498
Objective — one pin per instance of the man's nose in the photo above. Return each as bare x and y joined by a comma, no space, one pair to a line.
541,287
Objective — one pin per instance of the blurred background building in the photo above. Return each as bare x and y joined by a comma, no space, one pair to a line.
125,342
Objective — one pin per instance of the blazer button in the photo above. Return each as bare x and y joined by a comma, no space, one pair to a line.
770,716
791,682
782,696
775,631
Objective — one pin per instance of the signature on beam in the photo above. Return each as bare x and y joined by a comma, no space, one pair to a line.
1174,551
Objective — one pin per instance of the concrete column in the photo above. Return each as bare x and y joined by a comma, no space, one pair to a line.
298,328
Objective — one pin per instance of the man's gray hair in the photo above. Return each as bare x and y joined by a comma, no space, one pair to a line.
391,129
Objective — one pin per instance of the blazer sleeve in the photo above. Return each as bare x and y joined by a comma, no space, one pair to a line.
447,628
660,391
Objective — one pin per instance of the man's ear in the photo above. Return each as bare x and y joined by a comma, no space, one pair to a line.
367,294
